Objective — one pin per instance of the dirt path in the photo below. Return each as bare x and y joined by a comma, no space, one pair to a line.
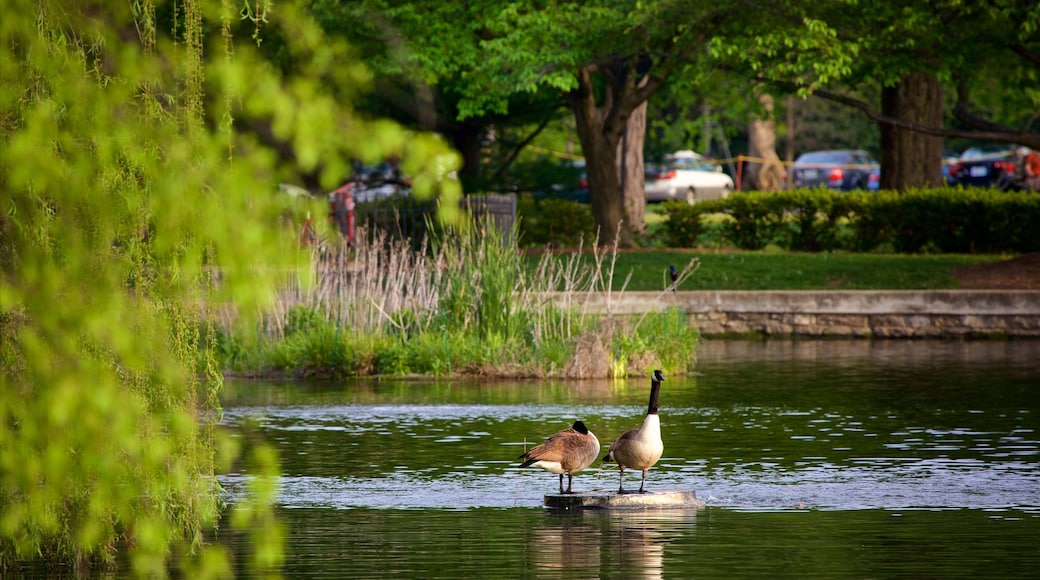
1021,273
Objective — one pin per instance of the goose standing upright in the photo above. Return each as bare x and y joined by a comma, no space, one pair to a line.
568,451
640,448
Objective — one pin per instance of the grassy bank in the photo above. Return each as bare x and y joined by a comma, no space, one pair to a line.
470,304
736,270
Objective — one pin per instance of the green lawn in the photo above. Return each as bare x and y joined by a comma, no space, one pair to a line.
792,271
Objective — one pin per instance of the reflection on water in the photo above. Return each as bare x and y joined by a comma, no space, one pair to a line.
808,450
593,542
566,543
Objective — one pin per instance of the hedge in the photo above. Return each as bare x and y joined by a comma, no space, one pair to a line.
943,220
557,222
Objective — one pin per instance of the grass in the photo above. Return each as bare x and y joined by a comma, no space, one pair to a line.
791,271
467,306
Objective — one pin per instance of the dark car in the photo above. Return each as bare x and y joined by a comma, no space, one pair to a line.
949,160
570,182
980,167
844,169
874,179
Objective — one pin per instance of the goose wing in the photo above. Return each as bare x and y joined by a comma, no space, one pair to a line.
622,441
553,449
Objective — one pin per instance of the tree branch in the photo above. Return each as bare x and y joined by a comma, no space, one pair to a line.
991,132
1025,53
971,120
523,143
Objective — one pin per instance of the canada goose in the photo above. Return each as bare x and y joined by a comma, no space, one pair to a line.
568,451
640,448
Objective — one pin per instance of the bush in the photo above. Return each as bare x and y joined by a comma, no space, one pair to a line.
554,222
683,226
946,220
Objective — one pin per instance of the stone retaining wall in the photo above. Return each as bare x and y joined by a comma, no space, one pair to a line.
866,314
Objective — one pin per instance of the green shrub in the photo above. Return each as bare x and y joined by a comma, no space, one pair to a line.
302,318
393,358
324,350
554,222
756,222
946,220
683,226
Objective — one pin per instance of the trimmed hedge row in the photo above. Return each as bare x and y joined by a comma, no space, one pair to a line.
943,220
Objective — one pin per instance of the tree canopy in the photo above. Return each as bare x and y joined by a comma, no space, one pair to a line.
604,58
841,50
875,41
131,208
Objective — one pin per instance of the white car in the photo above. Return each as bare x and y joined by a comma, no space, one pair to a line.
688,176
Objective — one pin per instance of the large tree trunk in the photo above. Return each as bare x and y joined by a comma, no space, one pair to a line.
631,170
764,173
789,136
600,142
908,158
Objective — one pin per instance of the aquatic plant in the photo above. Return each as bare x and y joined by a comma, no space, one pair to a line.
464,303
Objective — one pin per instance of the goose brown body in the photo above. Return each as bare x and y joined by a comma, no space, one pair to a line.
640,448
566,452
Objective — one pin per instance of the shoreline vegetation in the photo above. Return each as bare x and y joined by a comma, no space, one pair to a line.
469,303
466,303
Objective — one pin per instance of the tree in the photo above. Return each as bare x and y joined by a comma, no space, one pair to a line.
913,51
423,52
763,175
129,207
605,59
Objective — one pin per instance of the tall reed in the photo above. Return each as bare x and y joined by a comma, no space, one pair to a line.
463,303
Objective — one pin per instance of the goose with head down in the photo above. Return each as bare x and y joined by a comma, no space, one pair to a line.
640,448
566,452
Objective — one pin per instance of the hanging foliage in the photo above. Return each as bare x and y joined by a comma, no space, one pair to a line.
130,206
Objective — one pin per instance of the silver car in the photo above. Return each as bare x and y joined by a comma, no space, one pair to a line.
688,176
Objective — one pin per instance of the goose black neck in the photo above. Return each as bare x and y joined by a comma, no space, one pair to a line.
655,392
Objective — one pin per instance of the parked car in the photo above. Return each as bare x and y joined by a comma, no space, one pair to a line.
572,183
983,167
948,161
377,182
844,169
874,179
687,176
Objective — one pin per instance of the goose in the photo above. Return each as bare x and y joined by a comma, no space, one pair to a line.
640,448
568,451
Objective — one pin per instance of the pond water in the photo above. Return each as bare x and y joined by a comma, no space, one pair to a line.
815,458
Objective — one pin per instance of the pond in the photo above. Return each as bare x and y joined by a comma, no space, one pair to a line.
824,458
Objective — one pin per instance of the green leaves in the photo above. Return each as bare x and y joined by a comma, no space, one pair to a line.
131,212
946,220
